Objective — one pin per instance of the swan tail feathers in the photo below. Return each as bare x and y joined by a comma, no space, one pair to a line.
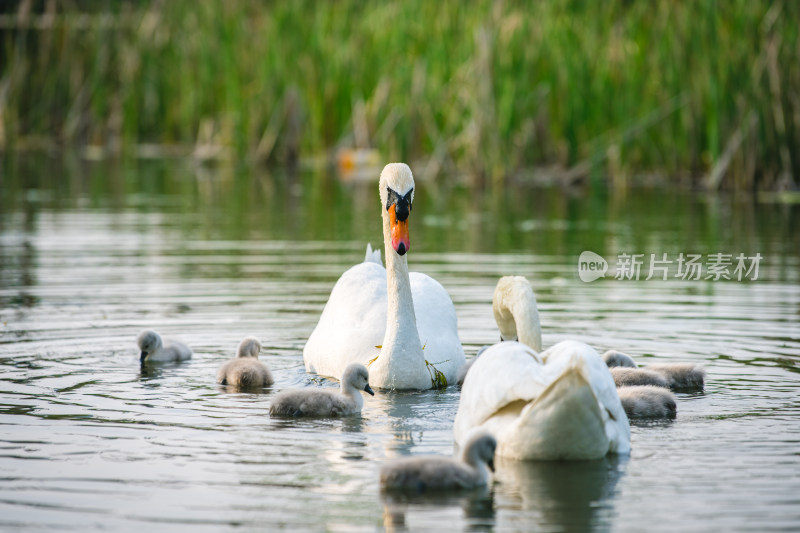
579,356
565,422
576,413
373,256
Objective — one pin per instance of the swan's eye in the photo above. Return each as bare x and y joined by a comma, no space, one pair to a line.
402,203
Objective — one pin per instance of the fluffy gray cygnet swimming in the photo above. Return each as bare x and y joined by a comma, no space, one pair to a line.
424,474
647,401
613,358
676,376
680,376
323,402
155,350
245,371
629,377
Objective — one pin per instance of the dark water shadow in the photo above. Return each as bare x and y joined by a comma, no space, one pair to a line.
353,424
477,506
651,422
246,390
561,495
150,372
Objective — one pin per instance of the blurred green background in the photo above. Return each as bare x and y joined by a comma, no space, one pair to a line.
702,93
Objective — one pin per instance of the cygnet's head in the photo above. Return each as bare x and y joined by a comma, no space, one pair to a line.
614,358
397,194
149,341
249,347
480,448
356,375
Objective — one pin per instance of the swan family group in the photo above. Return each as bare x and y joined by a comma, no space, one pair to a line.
394,330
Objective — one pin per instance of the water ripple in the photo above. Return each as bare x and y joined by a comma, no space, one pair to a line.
93,441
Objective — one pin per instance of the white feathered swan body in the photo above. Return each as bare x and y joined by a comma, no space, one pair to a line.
372,306
560,404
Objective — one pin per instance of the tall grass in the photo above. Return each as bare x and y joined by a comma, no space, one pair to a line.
692,90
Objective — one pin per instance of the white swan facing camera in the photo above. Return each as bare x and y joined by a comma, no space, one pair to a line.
402,326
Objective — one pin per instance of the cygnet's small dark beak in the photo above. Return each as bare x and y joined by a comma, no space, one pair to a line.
491,464
142,357
368,389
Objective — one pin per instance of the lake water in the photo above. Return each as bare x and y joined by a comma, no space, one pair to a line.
91,254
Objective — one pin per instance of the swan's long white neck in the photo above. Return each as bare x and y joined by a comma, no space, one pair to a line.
529,330
401,363
516,313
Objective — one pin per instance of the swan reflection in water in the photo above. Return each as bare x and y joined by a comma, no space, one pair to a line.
149,374
551,495
401,512
560,495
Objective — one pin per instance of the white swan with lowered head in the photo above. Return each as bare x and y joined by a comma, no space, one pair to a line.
560,404
513,302
403,326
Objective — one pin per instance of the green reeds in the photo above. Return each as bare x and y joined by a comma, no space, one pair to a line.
487,88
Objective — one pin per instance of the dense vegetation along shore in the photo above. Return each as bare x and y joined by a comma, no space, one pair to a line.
706,92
